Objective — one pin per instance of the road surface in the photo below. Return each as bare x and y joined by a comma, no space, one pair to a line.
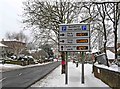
23,78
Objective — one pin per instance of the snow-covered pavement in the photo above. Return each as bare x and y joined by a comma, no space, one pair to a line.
56,79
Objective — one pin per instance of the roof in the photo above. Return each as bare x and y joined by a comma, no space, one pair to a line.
12,40
2,45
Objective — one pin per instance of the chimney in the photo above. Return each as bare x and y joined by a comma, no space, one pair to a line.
2,39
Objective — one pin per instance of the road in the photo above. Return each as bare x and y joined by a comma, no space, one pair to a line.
23,78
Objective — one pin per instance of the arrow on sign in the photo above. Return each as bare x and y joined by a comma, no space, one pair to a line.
61,34
62,41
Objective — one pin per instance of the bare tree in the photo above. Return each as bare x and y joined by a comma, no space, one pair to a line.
44,16
98,17
114,18
17,36
109,11
101,29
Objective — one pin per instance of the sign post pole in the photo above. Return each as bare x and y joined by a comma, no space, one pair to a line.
74,38
66,69
82,68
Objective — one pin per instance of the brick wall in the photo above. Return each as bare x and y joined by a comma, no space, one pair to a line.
111,78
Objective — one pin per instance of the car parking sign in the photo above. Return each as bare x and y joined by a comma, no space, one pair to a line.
74,37
64,28
84,27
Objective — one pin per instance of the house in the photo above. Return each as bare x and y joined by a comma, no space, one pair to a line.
13,46
2,50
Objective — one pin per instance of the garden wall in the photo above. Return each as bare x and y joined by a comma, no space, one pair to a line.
111,78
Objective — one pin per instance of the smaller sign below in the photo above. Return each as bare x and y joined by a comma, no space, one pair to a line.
82,47
74,41
74,48
74,34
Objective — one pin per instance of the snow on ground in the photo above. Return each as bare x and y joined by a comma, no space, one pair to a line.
56,79
8,67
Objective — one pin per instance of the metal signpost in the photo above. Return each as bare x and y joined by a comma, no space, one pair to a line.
66,69
74,38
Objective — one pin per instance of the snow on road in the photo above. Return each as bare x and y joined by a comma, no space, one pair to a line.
9,67
56,79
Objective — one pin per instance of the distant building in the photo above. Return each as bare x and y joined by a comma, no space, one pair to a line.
15,47
2,50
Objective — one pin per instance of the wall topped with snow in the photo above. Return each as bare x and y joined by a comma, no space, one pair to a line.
110,76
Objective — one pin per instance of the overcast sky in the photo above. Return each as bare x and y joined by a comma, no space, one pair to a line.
10,11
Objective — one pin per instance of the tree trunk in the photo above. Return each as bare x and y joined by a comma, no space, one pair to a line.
115,28
105,42
115,44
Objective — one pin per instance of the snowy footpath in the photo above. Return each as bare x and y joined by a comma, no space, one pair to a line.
56,79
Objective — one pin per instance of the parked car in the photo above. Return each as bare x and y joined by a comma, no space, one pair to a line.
55,59
26,60
14,57
51,59
40,61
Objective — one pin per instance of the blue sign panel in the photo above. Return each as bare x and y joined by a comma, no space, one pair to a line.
64,28
84,27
